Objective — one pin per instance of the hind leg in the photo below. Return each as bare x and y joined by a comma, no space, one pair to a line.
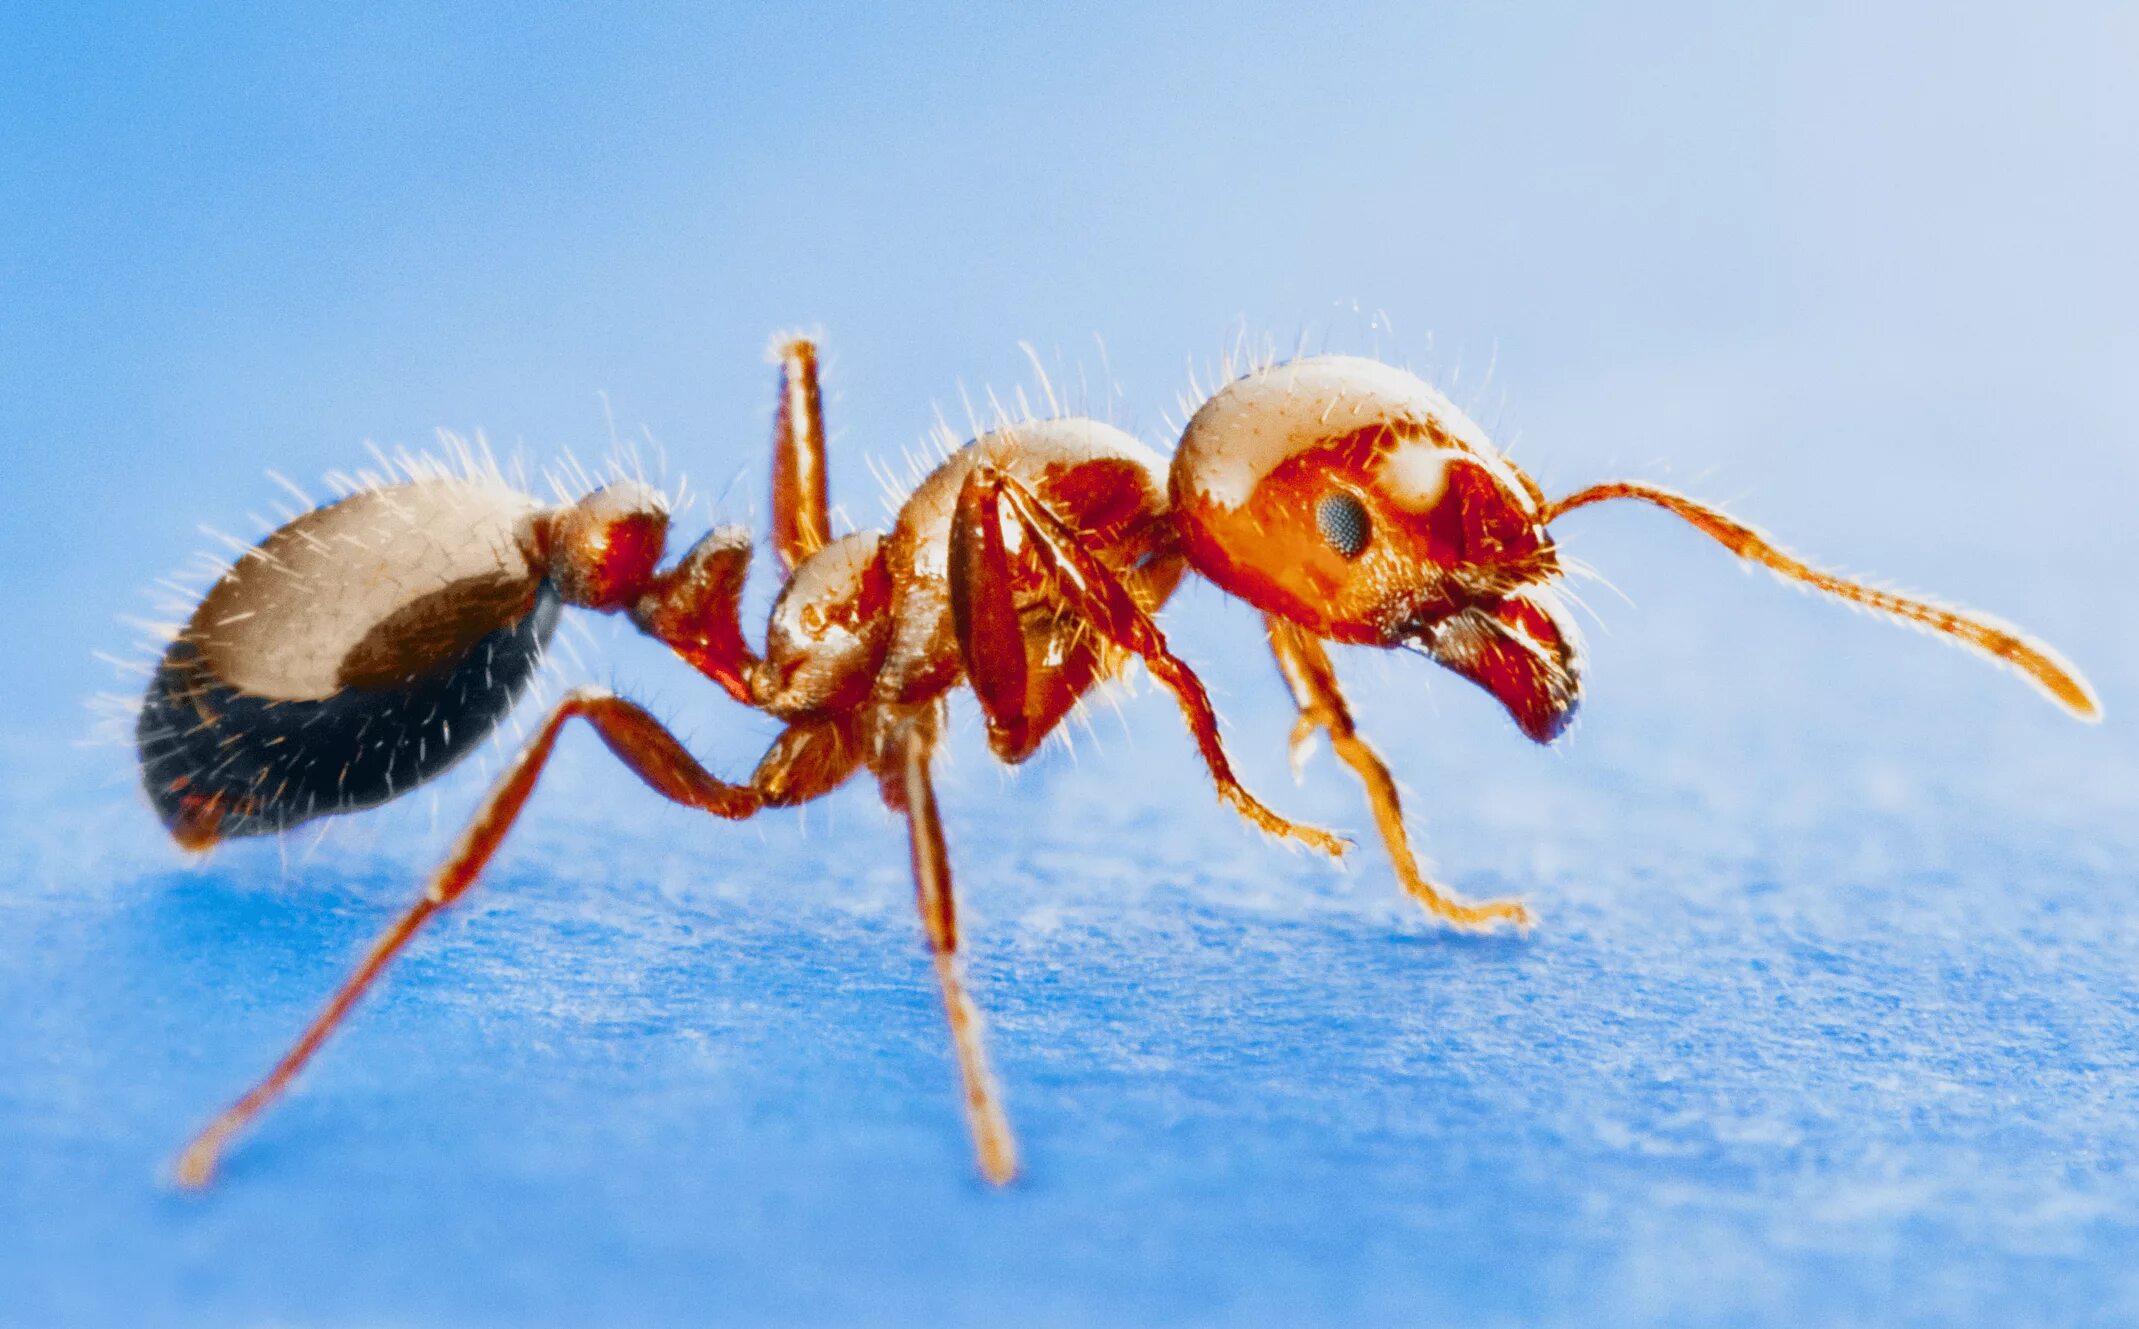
810,763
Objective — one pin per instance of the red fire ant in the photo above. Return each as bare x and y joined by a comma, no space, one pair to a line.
367,645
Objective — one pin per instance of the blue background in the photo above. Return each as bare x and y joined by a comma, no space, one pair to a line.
1834,1013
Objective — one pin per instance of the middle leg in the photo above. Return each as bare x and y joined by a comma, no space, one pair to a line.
1305,664
903,770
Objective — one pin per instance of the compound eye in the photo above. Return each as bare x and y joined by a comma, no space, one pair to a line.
1342,519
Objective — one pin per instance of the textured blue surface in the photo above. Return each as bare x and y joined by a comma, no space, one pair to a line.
1848,1035
1833,1017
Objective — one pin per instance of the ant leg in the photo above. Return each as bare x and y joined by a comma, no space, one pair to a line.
801,507
908,788
808,760
646,748
1306,666
984,580
1007,658
1061,662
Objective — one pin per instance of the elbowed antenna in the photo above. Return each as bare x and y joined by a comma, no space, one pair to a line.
1999,640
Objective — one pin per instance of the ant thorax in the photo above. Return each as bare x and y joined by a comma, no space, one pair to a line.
1104,484
826,636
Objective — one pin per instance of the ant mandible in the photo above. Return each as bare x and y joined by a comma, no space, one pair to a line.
367,645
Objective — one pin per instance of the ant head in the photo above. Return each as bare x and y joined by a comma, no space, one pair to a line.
1356,501
602,551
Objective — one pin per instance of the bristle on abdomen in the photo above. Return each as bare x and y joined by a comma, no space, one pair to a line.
358,651
219,762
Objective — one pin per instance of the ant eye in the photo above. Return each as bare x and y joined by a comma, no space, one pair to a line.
1343,522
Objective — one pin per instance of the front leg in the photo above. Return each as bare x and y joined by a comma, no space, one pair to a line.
1305,664
983,575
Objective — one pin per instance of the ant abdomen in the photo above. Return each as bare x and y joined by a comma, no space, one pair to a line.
356,652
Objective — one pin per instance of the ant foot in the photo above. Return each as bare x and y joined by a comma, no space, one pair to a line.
1481,917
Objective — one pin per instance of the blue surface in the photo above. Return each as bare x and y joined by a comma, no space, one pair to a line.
1834,1014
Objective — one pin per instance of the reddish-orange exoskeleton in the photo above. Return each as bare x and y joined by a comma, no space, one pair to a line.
366,645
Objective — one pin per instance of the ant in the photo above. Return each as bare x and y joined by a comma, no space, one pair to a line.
368,645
